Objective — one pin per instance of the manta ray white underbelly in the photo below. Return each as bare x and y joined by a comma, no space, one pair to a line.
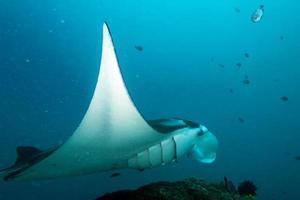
113,135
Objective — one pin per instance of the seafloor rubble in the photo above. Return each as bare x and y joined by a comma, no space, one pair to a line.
189,189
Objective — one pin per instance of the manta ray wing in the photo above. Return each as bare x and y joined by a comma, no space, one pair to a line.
111,131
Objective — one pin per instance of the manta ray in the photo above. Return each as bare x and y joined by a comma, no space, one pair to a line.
113,134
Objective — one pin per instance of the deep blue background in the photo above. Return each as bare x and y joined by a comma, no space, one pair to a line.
49,58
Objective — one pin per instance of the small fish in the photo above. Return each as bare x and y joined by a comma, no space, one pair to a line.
246,80
241,120
281,37
237,10
284,98
238,64
247,55
115,174
138,47
297,158
257,15
221,65
231,90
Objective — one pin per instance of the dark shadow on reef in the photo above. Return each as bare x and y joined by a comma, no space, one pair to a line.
189,189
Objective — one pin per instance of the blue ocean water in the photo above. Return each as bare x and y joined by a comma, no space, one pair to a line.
49,59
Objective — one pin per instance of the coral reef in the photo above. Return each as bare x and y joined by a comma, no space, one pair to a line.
189,189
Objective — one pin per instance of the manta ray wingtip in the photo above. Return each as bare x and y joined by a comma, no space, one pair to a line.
105,24
105,27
